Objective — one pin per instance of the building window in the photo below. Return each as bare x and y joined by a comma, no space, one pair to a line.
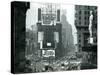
79,45
79,35
88,7
88,13
85,29
88,18
79,40
79,12
79,17
79,29
75,23
85,12
85,17
79,22
85,22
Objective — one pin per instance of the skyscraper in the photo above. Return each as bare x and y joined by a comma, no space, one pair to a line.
82,21
82,14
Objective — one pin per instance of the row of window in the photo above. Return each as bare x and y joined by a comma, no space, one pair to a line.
85,12
80,23
83,29
86,17
82,7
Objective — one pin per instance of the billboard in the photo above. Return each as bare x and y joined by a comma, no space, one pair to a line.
48,53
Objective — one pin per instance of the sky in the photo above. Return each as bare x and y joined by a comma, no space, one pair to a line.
32,16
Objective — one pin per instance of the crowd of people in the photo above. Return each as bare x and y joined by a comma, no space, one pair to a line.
63,64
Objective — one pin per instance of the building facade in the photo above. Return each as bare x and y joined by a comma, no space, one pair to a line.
82,24
82,16
49,32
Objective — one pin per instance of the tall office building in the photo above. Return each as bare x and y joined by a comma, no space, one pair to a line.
82,14
82,22
49,31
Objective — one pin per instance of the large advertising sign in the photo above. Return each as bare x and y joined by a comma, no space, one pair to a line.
48,53
48,19
48,14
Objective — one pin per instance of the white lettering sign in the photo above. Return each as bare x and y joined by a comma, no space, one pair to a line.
48,53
